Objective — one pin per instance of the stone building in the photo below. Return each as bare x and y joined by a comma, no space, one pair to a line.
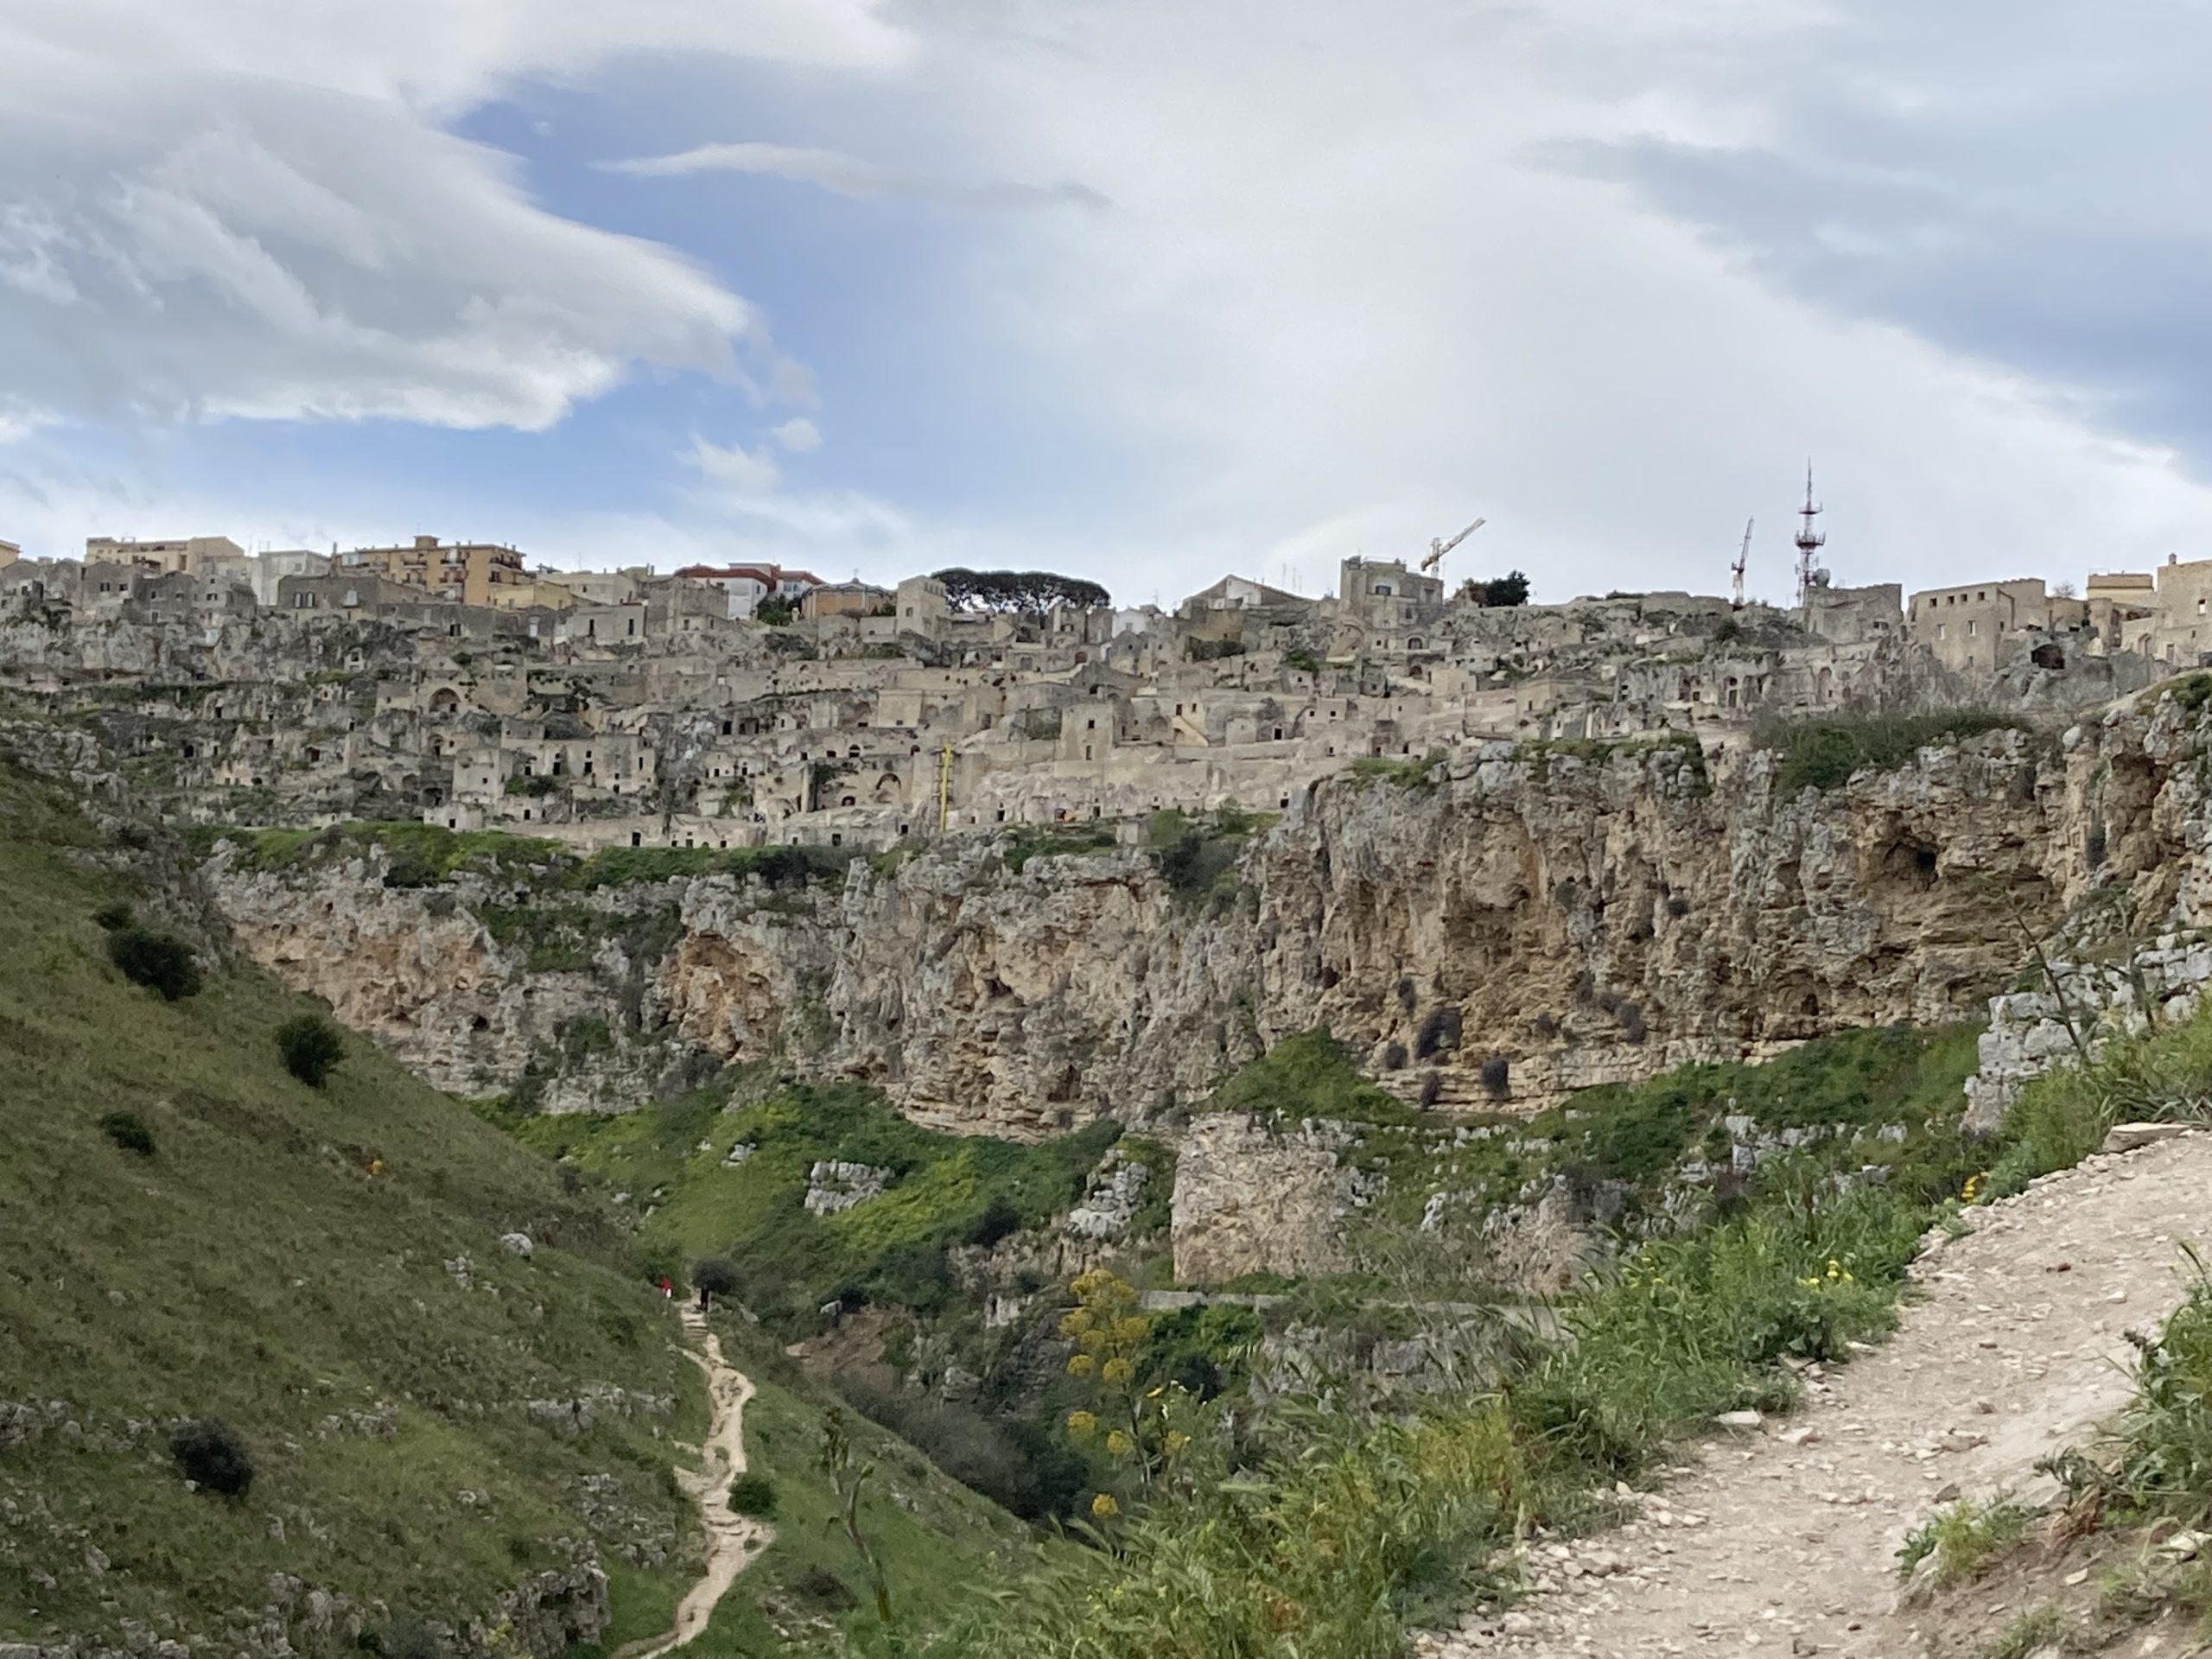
1966,627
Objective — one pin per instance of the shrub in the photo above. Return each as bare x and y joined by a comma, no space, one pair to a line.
213,1456
999,1220
160,962
1432,1090
1965,1540
311,1048
113,918
1394,1056
825,1589
1497,1075
1440,1031
412,1637
128,1131
753,1496
716,1275
1631,1014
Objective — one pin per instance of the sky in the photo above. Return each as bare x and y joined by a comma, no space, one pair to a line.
1140,290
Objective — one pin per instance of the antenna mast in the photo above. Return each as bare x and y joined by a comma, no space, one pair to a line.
1735,570
1810,542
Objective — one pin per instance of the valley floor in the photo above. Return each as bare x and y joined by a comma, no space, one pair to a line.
1784,1539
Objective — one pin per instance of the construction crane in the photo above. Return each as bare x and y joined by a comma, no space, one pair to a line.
1735,570
1438,548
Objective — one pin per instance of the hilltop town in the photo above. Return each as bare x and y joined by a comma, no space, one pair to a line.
753,704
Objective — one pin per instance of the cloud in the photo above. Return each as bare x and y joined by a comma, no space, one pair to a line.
798,436
1348,297
1999,180
733,467
218,208
851,176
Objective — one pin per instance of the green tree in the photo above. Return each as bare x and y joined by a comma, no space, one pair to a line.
161,962
1512,588
1027,592
311,1047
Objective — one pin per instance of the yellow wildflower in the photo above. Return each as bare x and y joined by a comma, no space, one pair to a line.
1081,1365
1104,1507
1119,1445
1118,1372
1177,1439
1075,1322
1082,1424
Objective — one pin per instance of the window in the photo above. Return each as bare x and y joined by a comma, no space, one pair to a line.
1940,629
1381,590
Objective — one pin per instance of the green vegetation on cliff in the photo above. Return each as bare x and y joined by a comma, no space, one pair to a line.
941,1191
1824,753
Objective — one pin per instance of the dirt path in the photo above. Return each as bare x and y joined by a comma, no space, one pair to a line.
732,1541
1782,1540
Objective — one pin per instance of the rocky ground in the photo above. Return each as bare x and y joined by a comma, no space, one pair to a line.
1781,1537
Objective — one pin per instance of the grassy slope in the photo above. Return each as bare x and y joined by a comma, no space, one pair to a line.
254,1269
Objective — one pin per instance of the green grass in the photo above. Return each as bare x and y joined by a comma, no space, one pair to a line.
2063,1116
253,1268
278,1259
890,1249
1310,1075
1636,1137
1825,753
424,855
1418,773
1056,840
942,1546
1965,1539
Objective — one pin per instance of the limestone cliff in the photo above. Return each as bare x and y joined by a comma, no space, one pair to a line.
1520,921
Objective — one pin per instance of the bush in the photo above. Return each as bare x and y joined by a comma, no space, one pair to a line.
213,1456
1440,1031
160,962
1432,1090
113,918
1000,1219
754,1496
825,1589
410,1637
311,1047
1394,1056
128,1131
716,1274
1497,1075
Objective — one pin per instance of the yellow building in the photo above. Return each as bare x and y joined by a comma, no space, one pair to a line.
472,572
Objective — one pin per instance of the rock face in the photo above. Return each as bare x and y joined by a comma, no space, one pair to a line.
1524,923
1254,1197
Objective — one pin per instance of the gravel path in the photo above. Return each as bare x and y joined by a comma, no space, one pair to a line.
732,1541
1782,1540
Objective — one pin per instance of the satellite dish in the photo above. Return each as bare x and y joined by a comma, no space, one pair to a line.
1821,577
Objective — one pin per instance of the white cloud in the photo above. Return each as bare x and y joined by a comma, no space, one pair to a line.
799,435
253,208
1340,307
731,466
850,175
